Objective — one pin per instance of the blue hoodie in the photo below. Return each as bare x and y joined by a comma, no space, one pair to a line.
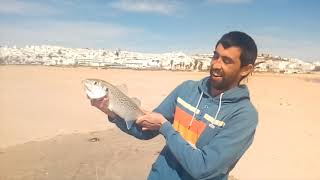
205,136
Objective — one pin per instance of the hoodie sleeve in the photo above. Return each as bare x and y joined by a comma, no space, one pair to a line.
166,108
223,151
135,130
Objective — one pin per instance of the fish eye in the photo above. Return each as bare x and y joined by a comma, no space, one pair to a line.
95,83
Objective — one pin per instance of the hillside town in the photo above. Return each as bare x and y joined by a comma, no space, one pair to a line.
60,56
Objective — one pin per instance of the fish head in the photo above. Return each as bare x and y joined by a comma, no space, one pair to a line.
95,88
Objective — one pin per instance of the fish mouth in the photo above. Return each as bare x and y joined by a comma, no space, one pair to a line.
94,89
86,84
89,83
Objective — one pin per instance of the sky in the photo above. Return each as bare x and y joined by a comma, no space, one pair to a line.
286,28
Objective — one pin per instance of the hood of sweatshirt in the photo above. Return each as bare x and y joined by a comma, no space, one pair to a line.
235,94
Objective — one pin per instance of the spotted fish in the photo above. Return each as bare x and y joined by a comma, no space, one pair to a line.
125,107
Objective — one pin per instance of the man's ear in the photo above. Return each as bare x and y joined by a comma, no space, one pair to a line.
246,70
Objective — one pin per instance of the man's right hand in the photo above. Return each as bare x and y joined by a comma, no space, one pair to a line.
102,104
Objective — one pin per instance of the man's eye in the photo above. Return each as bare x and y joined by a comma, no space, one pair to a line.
227,60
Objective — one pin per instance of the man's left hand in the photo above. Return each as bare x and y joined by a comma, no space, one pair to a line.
151,121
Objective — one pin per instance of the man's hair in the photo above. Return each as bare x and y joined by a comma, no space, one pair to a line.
244,42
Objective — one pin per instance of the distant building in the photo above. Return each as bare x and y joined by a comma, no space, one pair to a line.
57,55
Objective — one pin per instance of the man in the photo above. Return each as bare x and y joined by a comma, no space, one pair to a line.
207,124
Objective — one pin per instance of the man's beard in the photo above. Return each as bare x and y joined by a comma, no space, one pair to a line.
219,84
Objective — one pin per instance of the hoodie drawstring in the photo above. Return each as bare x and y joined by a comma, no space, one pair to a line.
220,101
194,113
217,113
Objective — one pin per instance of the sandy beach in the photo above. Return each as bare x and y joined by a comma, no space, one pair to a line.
48,129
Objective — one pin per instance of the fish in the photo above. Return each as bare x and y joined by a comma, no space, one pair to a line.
125,107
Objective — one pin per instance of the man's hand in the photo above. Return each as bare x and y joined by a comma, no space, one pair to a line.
102,104
151,121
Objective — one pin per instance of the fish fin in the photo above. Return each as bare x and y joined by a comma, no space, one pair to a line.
130,123
123,88
136,101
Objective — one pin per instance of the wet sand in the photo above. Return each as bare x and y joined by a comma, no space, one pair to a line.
46,124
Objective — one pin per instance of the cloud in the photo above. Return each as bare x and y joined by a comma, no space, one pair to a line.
146,6
25,8
229,1
69,34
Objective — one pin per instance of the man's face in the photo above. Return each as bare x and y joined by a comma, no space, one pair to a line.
225,71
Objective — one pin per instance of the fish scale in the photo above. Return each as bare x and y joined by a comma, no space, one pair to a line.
119,102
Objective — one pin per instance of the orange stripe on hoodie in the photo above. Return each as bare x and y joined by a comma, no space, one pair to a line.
181,124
